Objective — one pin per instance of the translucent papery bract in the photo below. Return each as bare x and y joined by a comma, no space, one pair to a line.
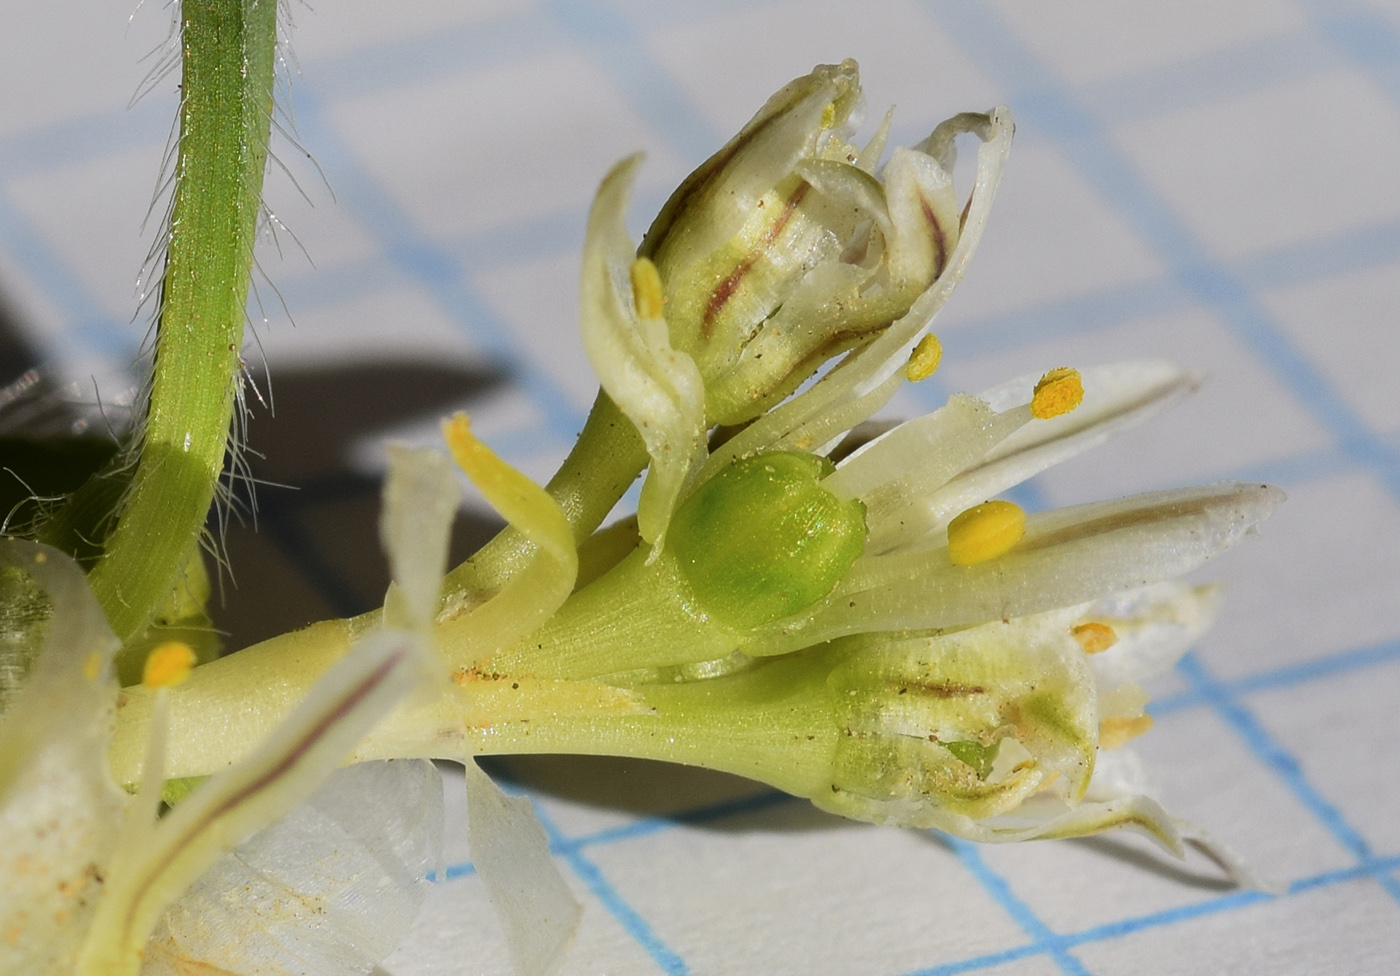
1066,557
510,850
328,890
59,809
1154,627
420,499
281,773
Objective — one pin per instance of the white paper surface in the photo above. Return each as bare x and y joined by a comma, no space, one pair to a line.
1211,183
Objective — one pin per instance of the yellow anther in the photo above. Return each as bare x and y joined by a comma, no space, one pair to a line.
1059,391
474,458
1114,732
169,664
829,115
984,532
647,294
92,666
1094,637
924,360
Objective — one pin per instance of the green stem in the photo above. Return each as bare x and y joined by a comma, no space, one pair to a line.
774,722
605,460
228,51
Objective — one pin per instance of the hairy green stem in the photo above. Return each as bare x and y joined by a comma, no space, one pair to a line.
228,49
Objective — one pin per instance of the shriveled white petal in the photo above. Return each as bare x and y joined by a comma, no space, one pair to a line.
869,158
657,387
852,186
1154,627
924,214
1039,818
281,773
510,850
1066,557
1116,397
1119,772
869,366
329,889
59,809
420,498
1120,776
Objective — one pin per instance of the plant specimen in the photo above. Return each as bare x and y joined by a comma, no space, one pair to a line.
842,611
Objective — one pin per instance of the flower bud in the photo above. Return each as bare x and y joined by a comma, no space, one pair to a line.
784,249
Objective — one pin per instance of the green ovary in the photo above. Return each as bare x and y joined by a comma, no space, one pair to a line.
763,539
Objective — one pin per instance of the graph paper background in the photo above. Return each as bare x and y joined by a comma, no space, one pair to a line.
1214,183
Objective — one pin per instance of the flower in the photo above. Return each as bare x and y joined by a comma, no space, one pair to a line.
786,248
911,655
783,250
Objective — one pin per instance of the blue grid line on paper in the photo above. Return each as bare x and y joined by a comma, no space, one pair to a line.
96,135
375,67
626,915
88,330
1355,250
1172,916
1367,39
659,99
1021,913
1377,868
1245,67
1061,118
1284,765
1342,662
427,263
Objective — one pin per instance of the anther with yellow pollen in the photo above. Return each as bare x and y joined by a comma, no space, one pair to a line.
924,360
1115,732
168,665
1059,391
1094,637
985,531
647,293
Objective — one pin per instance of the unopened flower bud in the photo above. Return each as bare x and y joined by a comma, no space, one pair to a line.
785,248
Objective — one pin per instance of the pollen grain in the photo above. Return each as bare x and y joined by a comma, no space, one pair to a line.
168,664
1059,391
924,360
1094,637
